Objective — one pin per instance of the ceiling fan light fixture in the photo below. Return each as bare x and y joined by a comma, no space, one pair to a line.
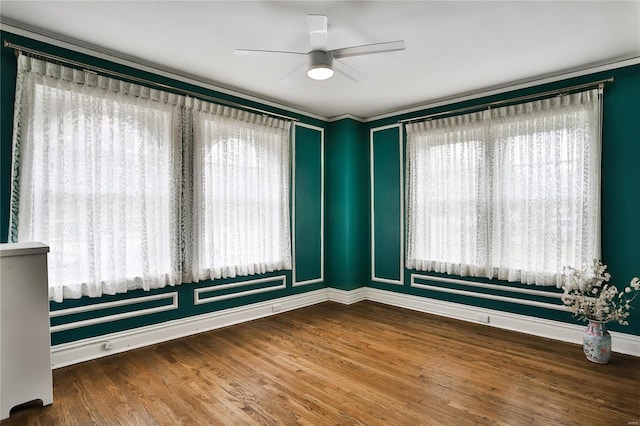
321,72
320,65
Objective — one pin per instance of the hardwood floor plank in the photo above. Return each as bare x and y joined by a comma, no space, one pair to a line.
362,364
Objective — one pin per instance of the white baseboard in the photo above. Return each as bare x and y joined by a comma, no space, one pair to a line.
347,297
93,348
621,342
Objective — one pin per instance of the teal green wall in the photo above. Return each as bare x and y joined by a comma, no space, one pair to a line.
387,234
620,197
347,205
307,213
309,146
348,236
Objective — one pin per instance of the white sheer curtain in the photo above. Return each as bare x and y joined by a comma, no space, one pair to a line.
96,176
513,193
139,188
446,195
240,206
546,187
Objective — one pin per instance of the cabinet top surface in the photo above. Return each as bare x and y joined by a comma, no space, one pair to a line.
22,249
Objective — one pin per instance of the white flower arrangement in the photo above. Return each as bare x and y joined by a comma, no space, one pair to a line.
589,296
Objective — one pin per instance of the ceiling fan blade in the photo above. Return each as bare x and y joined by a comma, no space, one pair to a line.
317,31
289,74
368,49
348,71
257,52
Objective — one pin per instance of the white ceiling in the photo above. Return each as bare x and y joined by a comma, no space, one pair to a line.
452,47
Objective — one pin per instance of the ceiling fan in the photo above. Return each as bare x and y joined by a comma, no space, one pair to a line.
321,60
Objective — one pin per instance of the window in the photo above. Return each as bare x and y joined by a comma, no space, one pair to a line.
511,193
95,183
137,188
241,194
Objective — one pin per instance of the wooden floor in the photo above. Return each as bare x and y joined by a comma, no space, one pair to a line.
332,364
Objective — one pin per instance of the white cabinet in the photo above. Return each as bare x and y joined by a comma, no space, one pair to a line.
25,340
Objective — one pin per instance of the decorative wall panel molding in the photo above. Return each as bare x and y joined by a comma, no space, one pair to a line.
96,307
387,204
308,187
280,280
477,294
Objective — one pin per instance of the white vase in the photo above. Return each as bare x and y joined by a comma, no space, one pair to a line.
597,342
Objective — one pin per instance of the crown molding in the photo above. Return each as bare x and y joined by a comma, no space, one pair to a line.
553,77
79,46
346,116
82,47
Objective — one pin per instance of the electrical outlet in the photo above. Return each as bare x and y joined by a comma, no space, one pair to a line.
107,345
483,318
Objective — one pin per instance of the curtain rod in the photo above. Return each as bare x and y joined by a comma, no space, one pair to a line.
508,101
93,68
